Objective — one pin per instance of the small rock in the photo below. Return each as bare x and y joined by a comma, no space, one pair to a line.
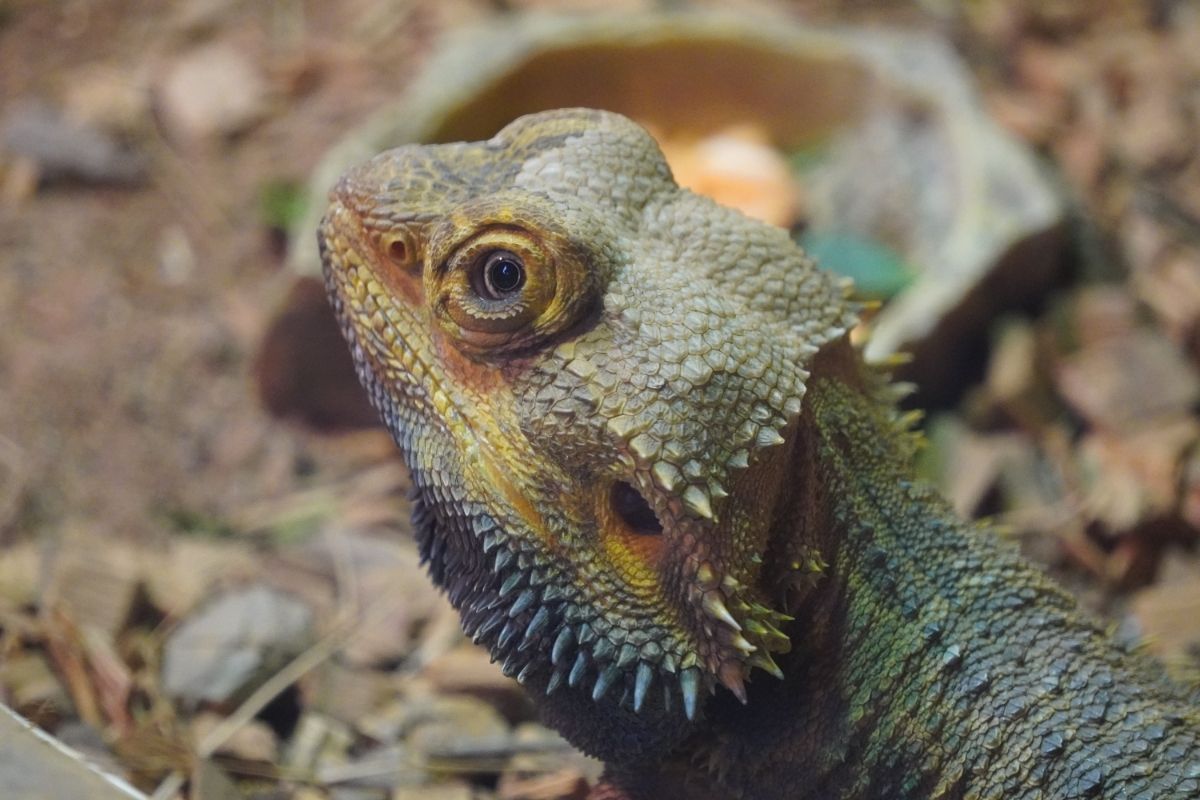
234,643
212,91
66,150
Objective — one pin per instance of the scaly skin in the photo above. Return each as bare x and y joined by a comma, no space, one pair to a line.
649,468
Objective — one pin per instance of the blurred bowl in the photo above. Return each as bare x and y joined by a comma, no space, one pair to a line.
894,147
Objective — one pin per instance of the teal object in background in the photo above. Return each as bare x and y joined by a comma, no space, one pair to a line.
878,271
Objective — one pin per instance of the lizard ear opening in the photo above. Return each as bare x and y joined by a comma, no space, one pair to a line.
632,509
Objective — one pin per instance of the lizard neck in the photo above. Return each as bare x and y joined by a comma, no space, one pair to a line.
931,660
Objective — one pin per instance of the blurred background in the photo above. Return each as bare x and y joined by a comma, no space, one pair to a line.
206,577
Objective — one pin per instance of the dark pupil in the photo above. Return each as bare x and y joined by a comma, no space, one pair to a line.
504,273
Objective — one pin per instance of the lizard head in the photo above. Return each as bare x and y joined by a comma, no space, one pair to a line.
593,375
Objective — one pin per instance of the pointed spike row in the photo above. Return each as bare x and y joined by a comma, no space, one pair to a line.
768,664
714,605
489,625
523,603
770,613
755,627
525,673
577,670
503,559
739,642
507,635
910,419
769,437
689,687
511,582
666,475
537,623
509,665
776,635
627,655
603,649
697,501
556,679
562,644
645,676
605,681
732,676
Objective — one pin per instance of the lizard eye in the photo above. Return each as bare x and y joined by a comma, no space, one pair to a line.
509,285
496,286
503,273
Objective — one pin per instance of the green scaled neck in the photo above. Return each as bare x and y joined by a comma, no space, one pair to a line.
930,660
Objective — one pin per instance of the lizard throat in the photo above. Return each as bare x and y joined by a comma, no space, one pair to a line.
536,622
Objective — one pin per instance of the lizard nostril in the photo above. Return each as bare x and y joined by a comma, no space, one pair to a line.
400,247
633,510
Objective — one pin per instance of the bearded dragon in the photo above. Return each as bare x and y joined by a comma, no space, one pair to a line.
664,490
